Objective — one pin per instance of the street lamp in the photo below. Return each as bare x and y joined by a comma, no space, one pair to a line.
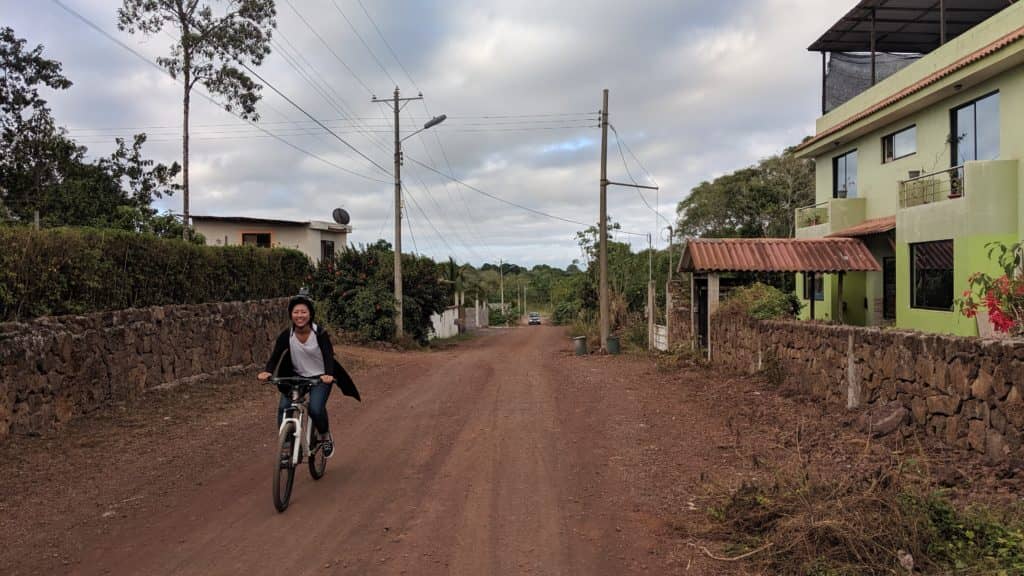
396,107
429,124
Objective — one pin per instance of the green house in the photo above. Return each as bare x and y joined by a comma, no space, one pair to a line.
919,154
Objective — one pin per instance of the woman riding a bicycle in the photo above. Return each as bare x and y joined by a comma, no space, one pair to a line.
305,349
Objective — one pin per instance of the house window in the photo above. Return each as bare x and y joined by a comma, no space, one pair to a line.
931,275
844,175
899,144
975,127
326,249
814,287
258,239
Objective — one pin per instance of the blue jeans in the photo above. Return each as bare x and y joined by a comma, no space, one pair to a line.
317,407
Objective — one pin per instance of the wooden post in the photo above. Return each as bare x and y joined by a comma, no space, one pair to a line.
809,289
841,315
712,304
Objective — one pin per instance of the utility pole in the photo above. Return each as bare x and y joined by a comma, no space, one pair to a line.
650,292
501,280
670,239
396,107
603,224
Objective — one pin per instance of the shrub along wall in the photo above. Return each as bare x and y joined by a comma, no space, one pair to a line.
77,271
53,369
967,391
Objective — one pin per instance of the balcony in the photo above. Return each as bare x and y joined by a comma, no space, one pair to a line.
977,199
821,219
932,187
812,215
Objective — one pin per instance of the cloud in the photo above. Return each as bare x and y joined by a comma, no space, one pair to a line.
698,89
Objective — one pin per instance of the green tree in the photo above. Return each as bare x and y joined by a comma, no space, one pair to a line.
207,47
31,145
757,202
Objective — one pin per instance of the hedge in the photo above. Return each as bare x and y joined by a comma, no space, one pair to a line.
81,270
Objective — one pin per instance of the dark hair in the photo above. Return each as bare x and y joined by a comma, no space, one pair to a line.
304,300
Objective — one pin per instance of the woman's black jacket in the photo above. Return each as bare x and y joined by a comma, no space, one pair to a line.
280,362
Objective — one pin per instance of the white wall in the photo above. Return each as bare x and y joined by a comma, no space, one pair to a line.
444,325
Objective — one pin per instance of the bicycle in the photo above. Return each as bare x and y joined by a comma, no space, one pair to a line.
295,439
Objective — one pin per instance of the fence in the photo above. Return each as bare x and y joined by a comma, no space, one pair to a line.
932,187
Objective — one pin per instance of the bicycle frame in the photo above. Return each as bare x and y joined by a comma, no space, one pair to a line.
298,414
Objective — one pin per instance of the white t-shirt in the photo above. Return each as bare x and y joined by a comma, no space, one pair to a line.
307,359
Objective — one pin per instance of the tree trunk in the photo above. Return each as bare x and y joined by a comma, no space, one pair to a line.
186,233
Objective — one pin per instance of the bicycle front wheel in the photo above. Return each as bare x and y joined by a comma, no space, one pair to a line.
317,463
284,471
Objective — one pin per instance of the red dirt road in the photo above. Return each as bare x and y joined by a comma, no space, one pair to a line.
466,461
502,455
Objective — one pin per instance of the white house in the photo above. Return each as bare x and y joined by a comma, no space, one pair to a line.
315,239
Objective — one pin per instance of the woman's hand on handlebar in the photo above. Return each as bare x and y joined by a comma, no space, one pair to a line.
326,378
263,376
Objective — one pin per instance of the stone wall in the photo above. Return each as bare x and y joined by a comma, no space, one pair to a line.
53,369
678,312
965,391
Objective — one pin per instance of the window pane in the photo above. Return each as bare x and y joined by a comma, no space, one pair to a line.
905,142
839,167
964,151
851,174
987,116
932,275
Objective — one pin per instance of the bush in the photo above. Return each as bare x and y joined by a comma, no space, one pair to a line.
565,312
356,287
762,302
81,270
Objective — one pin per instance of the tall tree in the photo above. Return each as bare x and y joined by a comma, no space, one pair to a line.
210,48
31,146
757,201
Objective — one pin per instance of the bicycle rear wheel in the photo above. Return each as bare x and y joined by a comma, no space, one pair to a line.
284,472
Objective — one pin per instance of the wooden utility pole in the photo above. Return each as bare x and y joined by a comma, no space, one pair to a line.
501,280
603,224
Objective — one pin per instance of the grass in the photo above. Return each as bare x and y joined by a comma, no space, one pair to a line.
872,524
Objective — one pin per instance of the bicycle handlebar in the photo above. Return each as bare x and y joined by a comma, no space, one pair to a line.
294,380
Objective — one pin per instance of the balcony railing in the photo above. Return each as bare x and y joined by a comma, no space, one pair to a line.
812,215
932,187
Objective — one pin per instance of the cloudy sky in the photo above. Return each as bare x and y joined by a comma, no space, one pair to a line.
697,89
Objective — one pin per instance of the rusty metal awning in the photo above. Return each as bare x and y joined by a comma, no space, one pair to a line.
867,228
821,255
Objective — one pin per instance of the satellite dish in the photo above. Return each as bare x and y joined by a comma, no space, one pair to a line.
340,216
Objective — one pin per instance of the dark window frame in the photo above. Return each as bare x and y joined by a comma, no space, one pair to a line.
819,288
891,140
913,278
835,174
954,144
324,253
269,236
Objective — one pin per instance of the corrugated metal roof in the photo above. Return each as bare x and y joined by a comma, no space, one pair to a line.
903,26
916,87
777,255
867,228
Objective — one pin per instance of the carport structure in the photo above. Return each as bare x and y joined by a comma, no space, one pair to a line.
706,259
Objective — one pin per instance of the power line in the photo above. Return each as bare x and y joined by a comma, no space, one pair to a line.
202,94
427,218
365,45
618,143
328,46
390,49
311,117
510,203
